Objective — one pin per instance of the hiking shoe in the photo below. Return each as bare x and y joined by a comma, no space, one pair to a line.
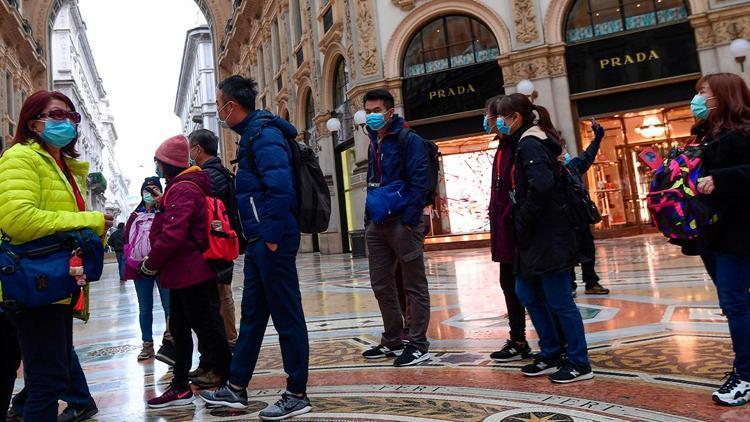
287,407
572,373
411,356
172,397
208,379
380,352
197,372
77,414
541,366
147,351
511,352
166,353
225,396
734,392
597,289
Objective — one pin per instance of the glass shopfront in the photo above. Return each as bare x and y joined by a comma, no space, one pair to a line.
450,70
618,180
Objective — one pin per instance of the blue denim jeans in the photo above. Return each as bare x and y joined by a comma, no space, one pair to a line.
120,264
144,289
732,284
551,295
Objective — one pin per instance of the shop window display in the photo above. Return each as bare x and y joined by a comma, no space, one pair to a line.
588,19
618,180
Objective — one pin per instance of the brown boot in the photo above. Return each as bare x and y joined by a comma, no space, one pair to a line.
147,352
209,379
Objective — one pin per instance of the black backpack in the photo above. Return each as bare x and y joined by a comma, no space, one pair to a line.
433,162
313,196
579,207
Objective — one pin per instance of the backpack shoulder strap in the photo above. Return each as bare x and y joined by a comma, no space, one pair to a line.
401,138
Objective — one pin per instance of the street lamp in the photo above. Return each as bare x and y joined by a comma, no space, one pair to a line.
333,124
526,87
360,118
740,49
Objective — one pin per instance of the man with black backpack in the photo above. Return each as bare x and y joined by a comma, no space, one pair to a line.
400,183
204,150
267,201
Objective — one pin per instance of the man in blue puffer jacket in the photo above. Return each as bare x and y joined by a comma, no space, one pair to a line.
267,203
397,189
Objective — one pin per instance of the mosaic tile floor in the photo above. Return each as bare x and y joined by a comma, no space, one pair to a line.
658,343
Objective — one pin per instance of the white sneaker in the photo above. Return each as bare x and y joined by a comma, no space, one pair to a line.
734,392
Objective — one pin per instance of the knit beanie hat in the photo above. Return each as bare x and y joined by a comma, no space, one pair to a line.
175,152
152,181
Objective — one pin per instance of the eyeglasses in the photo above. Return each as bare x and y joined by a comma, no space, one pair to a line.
62,115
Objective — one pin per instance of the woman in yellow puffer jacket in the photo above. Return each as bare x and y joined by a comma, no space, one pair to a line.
42,188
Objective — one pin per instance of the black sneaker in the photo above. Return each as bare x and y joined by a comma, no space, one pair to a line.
166,353
411,356
380,352
77,414
288,407
511,352
541,366
225,396
572,373
734,392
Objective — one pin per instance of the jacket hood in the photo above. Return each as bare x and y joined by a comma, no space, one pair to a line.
258,118
196,175
531,130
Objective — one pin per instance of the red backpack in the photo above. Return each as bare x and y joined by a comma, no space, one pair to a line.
223,243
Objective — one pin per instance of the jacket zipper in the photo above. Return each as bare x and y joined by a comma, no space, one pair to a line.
255,210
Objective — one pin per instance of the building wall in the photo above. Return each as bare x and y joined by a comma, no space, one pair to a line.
196,94
372,37
74,73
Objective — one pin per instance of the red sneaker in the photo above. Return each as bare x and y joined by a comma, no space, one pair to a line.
172,397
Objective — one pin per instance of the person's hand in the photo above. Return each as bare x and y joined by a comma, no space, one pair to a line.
273,247
598,131
706,185
158,196
109,221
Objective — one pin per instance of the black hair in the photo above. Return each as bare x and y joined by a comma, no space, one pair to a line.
207,140
170,171
121,226
380,94
240,90
519,103
493,105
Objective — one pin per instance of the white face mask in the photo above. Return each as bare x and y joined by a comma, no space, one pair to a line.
223,122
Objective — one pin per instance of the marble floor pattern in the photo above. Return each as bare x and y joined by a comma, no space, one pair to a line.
658,344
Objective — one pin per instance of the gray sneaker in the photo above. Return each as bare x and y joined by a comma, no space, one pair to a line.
289,406
225,396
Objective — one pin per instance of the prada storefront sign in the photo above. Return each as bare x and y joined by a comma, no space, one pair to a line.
642,56
453,91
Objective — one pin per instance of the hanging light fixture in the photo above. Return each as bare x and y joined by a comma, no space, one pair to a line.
651,127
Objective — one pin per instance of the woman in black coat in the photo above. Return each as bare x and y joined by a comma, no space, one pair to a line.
722,108
546,240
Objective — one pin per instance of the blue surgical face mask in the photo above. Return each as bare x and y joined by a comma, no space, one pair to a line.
148,198
375,121
59,133
699,107
567,158
502,126
486,125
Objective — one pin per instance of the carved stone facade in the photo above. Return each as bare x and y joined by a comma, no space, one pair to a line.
540,62
405,4
366,35
722,26
524,19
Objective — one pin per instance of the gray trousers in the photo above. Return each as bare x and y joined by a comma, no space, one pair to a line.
390,243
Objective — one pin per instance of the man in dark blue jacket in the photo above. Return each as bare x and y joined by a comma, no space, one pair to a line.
267,202
397,189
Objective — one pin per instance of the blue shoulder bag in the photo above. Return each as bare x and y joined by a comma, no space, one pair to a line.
37,273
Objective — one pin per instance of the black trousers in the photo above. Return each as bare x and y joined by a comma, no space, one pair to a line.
196,308
587,258
10,360
516,311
